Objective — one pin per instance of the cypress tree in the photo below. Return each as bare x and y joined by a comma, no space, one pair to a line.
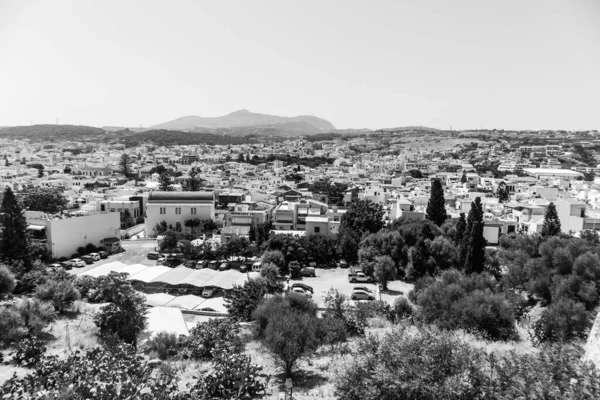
463,178
551,226
502,192
13,232
472,254
436,208
461,226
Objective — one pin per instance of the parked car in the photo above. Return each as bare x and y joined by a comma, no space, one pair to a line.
224,266
308,271
190,264
77,263
87,259
66,264
209,291
359,295
299,290
54,267
343,264
362,289
161,261
355,275
214,264
244,268
302,286
154,256
201,264
103,254
95,256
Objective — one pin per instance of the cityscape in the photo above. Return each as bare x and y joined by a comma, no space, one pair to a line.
200,250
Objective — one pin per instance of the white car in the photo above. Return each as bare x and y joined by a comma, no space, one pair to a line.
301,291
95,256
78,263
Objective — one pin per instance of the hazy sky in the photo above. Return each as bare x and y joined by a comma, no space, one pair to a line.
521,64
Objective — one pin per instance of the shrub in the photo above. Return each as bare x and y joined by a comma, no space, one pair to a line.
164,344
468,302
401,309
61,293
242,301
28,352
295,269
86,285
233,376
36,314
27,282
332,331
7,281
562,321
13,325
274,257
270,308
207,338
269,271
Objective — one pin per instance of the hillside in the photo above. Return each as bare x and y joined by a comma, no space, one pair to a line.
164,137
51,132
244,122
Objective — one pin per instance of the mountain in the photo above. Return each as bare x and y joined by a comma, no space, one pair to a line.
244,120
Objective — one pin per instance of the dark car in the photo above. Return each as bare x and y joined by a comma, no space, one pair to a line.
66,264
190,264
343,264
302,286
103,254
153,256
308,271
87,259
55,267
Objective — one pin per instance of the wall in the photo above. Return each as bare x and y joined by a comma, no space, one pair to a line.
153,215
491,234
67,235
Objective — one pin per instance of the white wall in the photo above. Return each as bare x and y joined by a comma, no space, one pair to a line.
71,233
153,215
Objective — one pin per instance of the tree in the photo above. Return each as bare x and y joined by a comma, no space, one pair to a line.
363,216
551,225
194,181
170,240
473,250
461,226
276,258
7,281
13,228
463,178
126,220
41,172
502,193
243,300
385,270
164,181
436,207
49,200
125,165
61,293
125,315
67,170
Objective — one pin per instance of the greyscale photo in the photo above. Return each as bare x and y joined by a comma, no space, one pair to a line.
299,199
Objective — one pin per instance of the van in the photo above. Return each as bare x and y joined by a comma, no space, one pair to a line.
256,267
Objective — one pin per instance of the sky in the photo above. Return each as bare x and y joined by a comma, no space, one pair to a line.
465,64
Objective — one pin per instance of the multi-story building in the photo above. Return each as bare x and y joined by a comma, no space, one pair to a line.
176,207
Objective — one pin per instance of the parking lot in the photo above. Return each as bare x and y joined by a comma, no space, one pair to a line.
136,253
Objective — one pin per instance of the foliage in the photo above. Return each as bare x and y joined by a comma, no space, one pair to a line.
290,334
473,251
243,300
61,293
99,374
127,220
207,339
271,307
332,331
164,181
124,316
334,191
436,207
275,258
551,225
502,193
233,376
45,199
13,236
401,309
430,364
28,352
125,165
470,302
13,325
170,240
363,216
295,269
384,243
7,281
562,321
164,344
384,270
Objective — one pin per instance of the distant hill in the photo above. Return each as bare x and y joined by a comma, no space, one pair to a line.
410,128
51,132
244,122
164,137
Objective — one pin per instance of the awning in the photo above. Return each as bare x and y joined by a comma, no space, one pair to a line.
36,227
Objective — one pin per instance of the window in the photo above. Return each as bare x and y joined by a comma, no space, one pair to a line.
177,210
317,229
194,210
163,210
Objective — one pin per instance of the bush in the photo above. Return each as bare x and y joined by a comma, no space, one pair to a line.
7,281
242,301
400,310
61,293
562,321
207,338
27,282
270,308
13,325
164,344
86,285
332,331
233,376
295,269
28,352
36,314
469,302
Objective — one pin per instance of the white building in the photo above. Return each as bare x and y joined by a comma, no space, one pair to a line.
176,207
